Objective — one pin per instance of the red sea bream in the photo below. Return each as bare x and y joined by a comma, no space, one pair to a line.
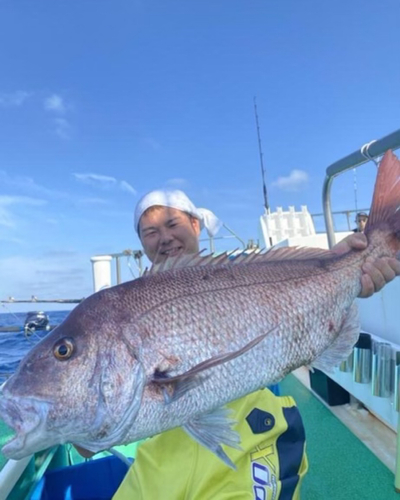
173,347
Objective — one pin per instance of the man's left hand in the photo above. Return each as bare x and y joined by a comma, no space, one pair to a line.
377,272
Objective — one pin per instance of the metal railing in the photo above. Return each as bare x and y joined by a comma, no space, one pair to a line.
346,213
211,240
137,256
356,159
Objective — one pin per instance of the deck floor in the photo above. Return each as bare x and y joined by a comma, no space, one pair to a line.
5,434
341,467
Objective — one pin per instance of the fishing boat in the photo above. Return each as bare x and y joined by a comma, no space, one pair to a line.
36,320
351,415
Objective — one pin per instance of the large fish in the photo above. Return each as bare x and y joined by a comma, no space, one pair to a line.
173,347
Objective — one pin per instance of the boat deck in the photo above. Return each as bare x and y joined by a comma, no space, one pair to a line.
5,434
340,465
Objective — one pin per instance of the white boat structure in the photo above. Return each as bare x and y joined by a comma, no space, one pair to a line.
371,375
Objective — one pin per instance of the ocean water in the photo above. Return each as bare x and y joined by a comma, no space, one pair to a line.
14,345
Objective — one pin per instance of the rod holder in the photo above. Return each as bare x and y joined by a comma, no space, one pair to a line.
362,359
347,364
397,381
382,369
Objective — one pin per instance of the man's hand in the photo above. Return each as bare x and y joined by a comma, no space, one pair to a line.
377,273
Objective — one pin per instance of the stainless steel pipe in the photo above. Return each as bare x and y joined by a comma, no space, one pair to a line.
397,381
382,369
363,359
347,364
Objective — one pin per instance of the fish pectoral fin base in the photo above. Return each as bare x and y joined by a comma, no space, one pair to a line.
214,429
181,387
162,378
343,345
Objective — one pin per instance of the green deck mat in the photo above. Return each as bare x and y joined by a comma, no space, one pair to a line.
129,450
5,434
341,467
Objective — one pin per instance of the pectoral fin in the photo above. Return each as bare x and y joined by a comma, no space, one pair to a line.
212,430
162,378
181,387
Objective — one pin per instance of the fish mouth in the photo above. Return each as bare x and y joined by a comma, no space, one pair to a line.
25,416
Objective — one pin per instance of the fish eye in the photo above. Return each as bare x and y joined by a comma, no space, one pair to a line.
63,349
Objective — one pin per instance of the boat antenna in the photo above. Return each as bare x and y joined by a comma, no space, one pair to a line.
266,204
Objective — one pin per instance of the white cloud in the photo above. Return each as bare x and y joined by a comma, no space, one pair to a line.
7,218
48,276
6,200
27,185
62,128
13,99
10,239
295,181
55,103
125,186
104,182
97,180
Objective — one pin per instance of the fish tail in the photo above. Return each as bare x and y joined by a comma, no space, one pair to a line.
385,209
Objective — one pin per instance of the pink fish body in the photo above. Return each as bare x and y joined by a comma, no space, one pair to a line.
173,347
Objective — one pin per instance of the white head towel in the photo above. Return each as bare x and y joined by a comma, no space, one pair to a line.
177,199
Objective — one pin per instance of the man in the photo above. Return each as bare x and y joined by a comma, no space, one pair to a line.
361,221
172,465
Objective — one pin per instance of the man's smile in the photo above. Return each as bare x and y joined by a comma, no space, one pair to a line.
172,252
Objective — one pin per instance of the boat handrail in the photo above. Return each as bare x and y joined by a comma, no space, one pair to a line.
347,213
36,300
10,474
232,235
356,159
137,255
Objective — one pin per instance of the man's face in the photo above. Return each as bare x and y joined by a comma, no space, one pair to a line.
167,232
361,222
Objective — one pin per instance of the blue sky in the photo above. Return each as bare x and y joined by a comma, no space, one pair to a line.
102,101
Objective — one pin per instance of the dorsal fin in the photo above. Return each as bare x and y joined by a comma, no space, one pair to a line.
295,253
244,258
186,260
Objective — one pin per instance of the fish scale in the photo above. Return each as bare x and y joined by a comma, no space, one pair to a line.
281,340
